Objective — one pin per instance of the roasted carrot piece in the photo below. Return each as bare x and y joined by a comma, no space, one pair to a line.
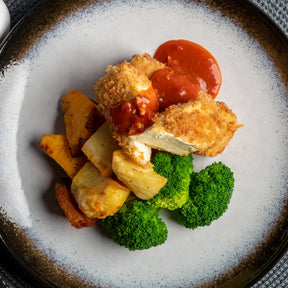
57,147
81,118
70,207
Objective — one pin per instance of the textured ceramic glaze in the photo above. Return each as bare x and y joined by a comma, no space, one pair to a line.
71,51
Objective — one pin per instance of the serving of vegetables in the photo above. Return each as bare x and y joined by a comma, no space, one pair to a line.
105,186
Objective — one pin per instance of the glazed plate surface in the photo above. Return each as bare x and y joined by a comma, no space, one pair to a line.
66,45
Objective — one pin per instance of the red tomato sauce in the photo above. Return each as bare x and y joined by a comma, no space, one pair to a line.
173,88
134,116
191,68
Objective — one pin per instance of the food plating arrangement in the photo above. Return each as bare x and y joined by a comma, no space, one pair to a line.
128,153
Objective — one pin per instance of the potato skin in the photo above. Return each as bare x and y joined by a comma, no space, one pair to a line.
56,146
99,149
97,196
82,118
70,207
145,183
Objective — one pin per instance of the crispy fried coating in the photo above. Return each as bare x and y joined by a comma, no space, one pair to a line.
206,124
123,82
203,126
146,64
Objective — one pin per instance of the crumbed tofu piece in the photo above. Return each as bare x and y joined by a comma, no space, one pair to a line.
203,126
146,64
123,82
159,138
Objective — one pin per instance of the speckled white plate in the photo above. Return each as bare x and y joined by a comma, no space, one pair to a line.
66,45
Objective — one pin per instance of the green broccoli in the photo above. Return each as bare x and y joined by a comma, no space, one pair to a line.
210,193
137,226
177,169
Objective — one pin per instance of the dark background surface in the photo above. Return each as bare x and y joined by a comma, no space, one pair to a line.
12,275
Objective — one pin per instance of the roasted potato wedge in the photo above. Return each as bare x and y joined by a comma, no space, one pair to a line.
145,183
82,119
70,207
99,149
57,147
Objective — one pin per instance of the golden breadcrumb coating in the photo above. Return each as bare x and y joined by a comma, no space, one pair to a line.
146,64
125,81
122,82
203,125
206,124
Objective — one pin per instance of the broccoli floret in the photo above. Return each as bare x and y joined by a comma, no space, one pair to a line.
210,193
137,226
177,169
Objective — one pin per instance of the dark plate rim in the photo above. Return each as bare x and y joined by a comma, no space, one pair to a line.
29,272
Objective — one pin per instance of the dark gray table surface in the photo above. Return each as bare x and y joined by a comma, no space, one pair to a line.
12,276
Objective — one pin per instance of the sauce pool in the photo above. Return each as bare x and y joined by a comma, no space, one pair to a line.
191,68
134,116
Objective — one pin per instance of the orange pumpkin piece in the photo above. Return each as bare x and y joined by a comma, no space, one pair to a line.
81,118
70,207
57,147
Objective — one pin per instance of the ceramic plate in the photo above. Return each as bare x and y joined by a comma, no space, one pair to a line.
66,45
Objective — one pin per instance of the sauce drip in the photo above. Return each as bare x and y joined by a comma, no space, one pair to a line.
191,68
173,88
134,116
